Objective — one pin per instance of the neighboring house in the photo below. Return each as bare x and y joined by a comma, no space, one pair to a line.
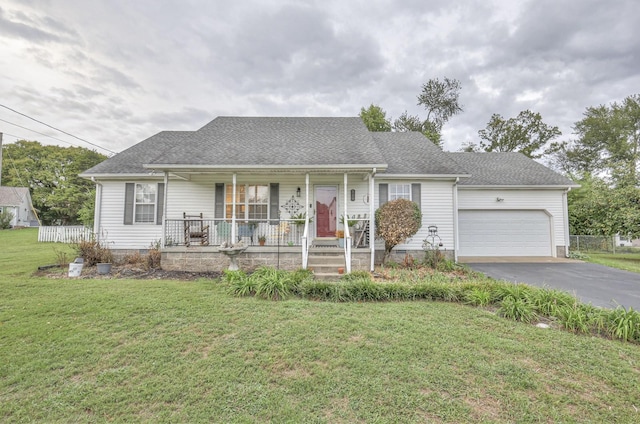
17,201
291,180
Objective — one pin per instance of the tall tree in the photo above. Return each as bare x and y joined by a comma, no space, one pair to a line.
406,122
597,208
51,173
525,133
441,101
375,118
608,142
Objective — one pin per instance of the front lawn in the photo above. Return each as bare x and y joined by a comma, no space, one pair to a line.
624,261
174,351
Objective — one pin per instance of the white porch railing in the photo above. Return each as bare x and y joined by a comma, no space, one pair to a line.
64,234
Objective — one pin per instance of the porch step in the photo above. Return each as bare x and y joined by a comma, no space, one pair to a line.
325,262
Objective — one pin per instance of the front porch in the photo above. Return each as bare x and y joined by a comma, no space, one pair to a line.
280,217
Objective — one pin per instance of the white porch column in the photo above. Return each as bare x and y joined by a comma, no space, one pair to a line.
372,219
97,213
347,235
233,211
164,208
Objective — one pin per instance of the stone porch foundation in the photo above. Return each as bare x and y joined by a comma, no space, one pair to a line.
209,259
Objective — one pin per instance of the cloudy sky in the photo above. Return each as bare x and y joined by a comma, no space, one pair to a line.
116,72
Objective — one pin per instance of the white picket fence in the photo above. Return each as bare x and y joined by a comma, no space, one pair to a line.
64,234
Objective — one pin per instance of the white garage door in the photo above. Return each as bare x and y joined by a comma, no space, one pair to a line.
504,233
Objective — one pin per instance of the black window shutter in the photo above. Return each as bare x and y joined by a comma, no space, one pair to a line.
274,202
129,192
160,204
415,194
219,201
383,194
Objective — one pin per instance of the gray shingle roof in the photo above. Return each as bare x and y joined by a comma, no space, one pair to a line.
506,169
276,141
130,161
413,153
279,142
12,196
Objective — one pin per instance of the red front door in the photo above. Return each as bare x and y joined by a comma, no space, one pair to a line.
326,208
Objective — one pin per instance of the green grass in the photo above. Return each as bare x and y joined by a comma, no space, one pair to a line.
175,351
624,261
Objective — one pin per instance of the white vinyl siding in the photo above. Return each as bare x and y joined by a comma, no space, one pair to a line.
113,231
437,209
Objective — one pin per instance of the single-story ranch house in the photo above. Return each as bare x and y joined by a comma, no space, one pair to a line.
287,187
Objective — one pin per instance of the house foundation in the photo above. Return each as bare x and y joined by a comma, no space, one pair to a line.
210,259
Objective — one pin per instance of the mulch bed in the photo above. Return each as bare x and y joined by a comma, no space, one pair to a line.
128,271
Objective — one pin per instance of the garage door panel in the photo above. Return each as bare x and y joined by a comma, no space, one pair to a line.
504,233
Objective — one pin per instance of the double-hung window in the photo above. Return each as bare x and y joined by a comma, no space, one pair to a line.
251,202
145,203
399,191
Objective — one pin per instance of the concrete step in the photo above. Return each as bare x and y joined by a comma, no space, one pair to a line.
325,263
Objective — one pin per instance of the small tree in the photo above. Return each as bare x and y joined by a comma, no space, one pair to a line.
396,221
5,219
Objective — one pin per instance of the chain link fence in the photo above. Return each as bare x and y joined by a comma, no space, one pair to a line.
599,244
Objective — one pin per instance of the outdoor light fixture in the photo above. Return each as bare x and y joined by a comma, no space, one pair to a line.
353,194
298,192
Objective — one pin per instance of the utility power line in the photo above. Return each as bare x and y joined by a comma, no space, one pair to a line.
57,129
37,132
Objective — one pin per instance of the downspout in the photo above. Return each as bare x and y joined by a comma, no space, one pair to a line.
372,220
565,224
233,212
164,208
97,213
455,220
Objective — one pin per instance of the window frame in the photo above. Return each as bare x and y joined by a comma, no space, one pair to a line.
154,189
405,193
242,201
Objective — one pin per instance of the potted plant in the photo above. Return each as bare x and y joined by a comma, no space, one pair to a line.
262,239
340,235
300,218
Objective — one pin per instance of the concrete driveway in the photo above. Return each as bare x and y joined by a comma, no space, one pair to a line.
595,284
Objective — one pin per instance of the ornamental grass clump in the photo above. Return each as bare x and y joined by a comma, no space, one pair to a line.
624,324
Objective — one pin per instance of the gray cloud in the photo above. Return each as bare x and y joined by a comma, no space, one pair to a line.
121,71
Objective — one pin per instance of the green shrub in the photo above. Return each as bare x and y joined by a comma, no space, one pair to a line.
5,219
517,308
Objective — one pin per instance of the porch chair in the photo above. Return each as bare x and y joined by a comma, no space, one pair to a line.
195,229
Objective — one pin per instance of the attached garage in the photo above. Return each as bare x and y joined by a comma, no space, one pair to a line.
505,233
